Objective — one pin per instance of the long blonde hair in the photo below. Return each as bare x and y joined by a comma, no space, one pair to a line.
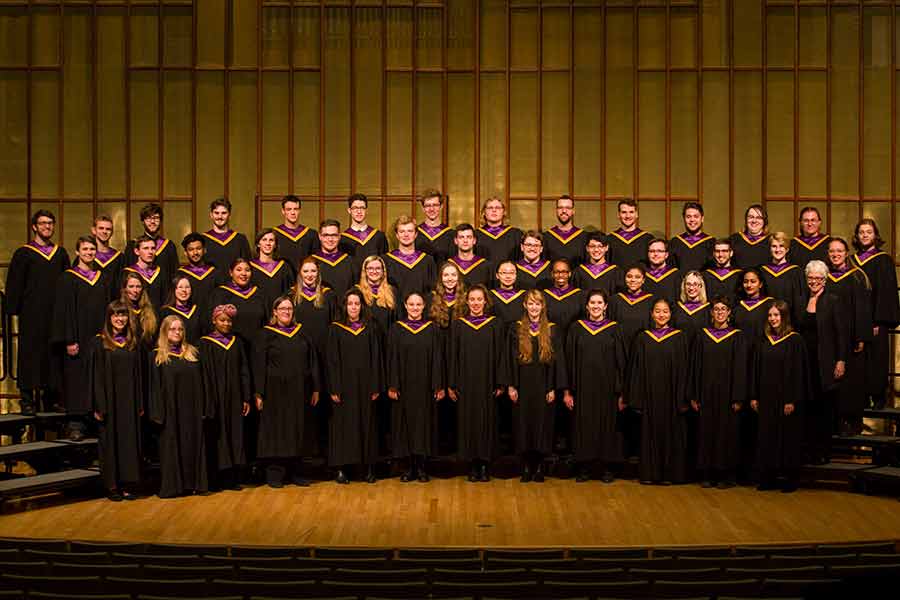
439,312
385,297
297,292
188,352
147,315
523,333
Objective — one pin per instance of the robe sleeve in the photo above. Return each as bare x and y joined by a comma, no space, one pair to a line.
509,355
393,358
886,310
260,350
841,328
312,365
333,361
97,377
680,373
244,248
452,358
438,372
740,370
558,368
797,368
245,376
64,329
156,400
376,352
695,367
636,370
621,362
862,317
571,351
210,389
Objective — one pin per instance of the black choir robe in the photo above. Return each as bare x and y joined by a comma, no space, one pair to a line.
595,358
316,321
78,316
564,307
533,276
226,369
117,390
879,268
221,253
372,243
498,245
779,377
415,275
476,365
252,312
628,249
111,267
193,319
336,271
632,315
666,284
722,282
786,282
533,417
273,282
354,368
178,403
203,282
156,284
295,244
851,287
383,316
437,243
30,282
691,253
658,389
607,277
751,317
720,369
804,250
570,245
509,308
478,271
286,373
415,369
166,254
749,253
691,318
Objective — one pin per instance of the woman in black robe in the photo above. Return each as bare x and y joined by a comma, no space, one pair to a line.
476,377
380,296
823,327
506,297
720,366
415,379
273,276
693,307
178,404
447,302
879,268
783,280
117,388
181,304
751,248
852,287
778,390
495,240
286,376
246,297
752,307
595,357
537,368
658,389
226,369
146,321
355,380
564,301
631,307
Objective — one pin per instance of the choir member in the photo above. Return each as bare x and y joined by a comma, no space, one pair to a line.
475,269
778,388
720,367
852,286
166,254
564,301
224,244
564,240
135,296
286,376
33,271
335,265
658,390
506,296
534,269
811,244
595,357
178,404
750,245
692,310
631,307
250,304
81,297
446,304
496,240
295,240
475,378
824,328
879,268
110,260
628,243
537,369
354,368
360,239
116,387
156,278
415,380
226,368
180,302
204,277
722,278
379,295
270,273
433,236
662,279
597,273
408,269
783,280
692,250
750,313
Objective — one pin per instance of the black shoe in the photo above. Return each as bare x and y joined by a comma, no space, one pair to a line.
726,484
423,476
582,477
370,476
788,487
300,481
526,474
707,484
608,477
408,476
538,474
128,496
766,486
115,496
276,484
483,474
341,477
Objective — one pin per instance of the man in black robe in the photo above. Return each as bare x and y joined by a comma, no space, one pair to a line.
223,244
166,254
475,269
433,236
811,244
408,269
722,279
361,240
154,276
295,240
110,260
334,264
203,276
628,244
564,240
662,279
692,250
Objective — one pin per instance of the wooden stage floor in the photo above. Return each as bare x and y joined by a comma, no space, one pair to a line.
453,512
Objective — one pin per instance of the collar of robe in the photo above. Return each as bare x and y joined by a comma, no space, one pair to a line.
104,258
775,340
595,327
534,269
360,236
753,239
471,263
562,293
414,326
217,338
407,260
287,331
565,236
223,239
627,237
355,328
89,277
199,272
597,269
753,304
147,276
719,335
433,232
495,232
660,335
477,322
723,273
330,258
693,308
633,299
268,269
811,243
691,240
779,270
244,293
507,296
657,275
291,233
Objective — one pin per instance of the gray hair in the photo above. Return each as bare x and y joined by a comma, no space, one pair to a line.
816,267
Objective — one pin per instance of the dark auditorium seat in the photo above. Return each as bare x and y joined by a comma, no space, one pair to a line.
436,563
804,550
680,552
861,548
507,589
32,567
881,559
532,563
82,546
381,575
707,574
440,553
805,588
477,576
282,574
723,562
146,597
157,587
279,551
10,555
524,554
341,563
54,585
54,596
783,562
100,570
630,563
808,572
341,553
596,589
580,574
88,558
187,571
180,549
279,589
158,559
686,589
609,553
392,589
271,562
22,544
